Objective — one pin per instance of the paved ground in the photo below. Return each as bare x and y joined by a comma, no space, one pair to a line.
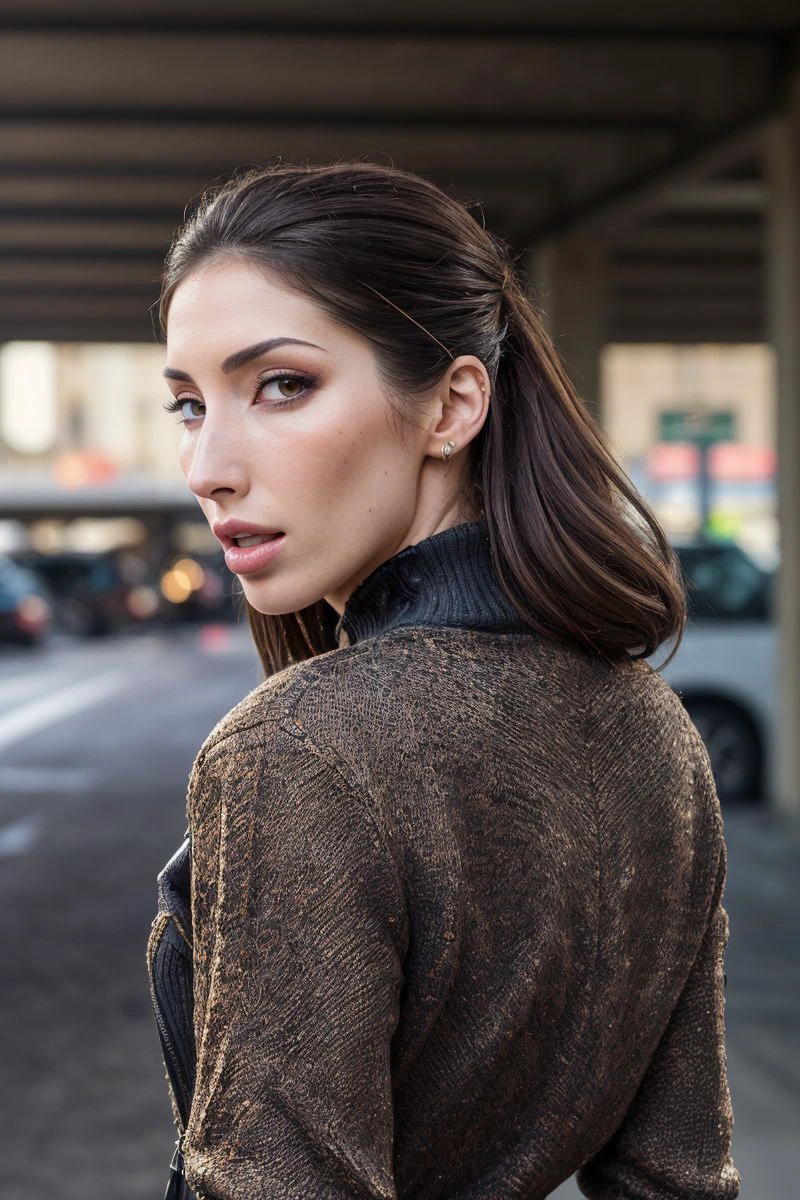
96,742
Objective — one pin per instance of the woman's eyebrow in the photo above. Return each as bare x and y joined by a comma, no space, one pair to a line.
234,361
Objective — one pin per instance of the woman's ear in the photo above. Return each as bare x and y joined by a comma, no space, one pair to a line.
464,403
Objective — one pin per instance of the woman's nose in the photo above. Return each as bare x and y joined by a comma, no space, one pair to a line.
217,462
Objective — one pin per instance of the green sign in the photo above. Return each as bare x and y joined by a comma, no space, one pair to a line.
696,425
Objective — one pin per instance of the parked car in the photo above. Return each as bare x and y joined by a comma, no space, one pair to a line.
94,593
725,668
25,607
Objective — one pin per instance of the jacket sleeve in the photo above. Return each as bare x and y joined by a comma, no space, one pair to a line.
299,926
674,1142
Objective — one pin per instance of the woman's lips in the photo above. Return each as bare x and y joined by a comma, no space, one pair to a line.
244,560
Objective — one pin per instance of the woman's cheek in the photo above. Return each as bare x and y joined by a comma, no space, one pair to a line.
329,458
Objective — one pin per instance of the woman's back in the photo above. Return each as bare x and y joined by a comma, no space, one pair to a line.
455,926
456,915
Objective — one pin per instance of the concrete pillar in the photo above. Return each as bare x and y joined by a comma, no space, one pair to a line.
570,285
782,232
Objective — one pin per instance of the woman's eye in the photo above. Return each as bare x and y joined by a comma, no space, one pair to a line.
298,385
176,405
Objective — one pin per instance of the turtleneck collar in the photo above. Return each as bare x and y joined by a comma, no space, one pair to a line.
445,579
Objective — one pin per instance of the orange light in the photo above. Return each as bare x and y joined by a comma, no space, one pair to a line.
83,468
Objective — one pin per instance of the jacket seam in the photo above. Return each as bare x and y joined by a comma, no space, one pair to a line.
590,745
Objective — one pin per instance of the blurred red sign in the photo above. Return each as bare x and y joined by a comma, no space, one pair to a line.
730,460
669,461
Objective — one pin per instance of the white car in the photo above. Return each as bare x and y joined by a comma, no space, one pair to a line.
725,670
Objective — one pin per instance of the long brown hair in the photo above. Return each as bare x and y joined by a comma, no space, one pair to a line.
577,550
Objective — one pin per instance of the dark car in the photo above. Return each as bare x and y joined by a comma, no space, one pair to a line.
93,593
25,607
724,582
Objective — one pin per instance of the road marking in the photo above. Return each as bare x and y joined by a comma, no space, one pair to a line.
18,837
48,710
48,779
20,685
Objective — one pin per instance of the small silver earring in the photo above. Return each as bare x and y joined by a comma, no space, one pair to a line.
447,450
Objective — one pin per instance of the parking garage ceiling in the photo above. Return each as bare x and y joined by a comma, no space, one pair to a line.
636,124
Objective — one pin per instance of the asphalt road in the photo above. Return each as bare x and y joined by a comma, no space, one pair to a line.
96,743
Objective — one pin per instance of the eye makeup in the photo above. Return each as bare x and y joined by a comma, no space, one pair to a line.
309,382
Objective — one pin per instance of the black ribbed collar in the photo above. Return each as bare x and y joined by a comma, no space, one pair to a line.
446,579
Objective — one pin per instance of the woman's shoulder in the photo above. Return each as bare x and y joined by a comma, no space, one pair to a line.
321,686
356,697
271,764
636,707
267,703
305,700
392,667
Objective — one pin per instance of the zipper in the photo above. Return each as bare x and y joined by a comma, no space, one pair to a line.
175,1184
177,1187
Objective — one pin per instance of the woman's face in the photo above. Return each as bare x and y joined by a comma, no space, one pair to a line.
310,451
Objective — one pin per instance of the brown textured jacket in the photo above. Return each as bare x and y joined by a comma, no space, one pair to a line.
451,926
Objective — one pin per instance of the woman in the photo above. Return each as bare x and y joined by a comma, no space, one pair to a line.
447,920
